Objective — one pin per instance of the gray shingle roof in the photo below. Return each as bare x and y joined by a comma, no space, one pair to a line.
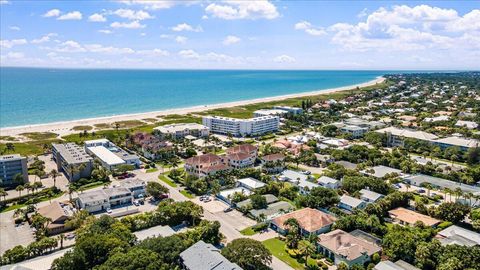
203,256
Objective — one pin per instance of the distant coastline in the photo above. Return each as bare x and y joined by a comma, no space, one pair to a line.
65,127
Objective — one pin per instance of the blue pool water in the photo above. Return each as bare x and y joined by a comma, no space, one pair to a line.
43,95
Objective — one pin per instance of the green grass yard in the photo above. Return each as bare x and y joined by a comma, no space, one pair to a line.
248,231
277,248
187,194
167,180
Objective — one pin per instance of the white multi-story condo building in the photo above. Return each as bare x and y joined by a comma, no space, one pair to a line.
11,165
70,155
178,131
241,127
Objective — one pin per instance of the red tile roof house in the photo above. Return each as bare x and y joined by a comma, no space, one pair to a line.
311,221
241,156
273,163
204,165
341,246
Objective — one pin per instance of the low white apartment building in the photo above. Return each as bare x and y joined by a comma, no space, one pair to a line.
178,131
101,200
241,127
109,154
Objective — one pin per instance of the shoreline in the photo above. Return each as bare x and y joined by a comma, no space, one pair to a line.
63,128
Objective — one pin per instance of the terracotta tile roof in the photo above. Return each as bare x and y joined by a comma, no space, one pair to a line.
308,218
273,157
243,148
347,245
410,217
203,159
216,168
238,156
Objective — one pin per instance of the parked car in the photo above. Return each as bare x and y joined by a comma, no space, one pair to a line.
228,209
136,203
109,210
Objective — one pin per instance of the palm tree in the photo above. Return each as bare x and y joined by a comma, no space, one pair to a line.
306,248
428,186
71,189
61,237
18,179
174,162
73,170
407,186
28,187
458,193
54,174
19,188
9,147
3,193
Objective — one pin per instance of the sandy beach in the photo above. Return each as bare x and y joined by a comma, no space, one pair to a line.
65,127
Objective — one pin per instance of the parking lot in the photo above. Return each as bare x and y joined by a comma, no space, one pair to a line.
234,218
12,235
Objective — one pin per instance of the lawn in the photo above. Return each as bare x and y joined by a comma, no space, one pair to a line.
151,170
277,248
248,231
187,194
82,128
16,206
167,180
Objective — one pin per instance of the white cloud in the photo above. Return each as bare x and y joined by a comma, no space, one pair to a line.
15,55
186,27
105,31
181,39
284,59
237,9
130,25
43,39
98,48
96,17
14,28
405,28
189,54
231,40
70,46
151,4
139,15
4,2
154,52
52,13
74,15
310,29
8,44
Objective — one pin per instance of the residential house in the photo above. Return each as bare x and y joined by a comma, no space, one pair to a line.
466,124
350,203
370,196
381,171
136,186
203,256
404,216
340,246
273,163
229,194
58,213
398,265
204,165
250,183
328,182
100,200
152,147
241,156
304,182
458,236
311,221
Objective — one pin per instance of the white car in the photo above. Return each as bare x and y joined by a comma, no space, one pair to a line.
109,210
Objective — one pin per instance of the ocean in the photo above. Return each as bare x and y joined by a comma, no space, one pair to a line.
44,95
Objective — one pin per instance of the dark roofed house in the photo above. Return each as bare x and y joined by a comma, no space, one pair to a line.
398,265
203,256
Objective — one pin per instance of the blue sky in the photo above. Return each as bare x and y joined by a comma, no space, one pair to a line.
241,34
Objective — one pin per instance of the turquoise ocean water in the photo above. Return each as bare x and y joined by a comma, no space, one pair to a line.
44,95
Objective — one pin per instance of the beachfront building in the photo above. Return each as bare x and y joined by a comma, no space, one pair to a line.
311,221
203,256
348,248
109,155
72,160
11,165
269,112
204,165
58,213
292,110
407,217
396,136
241,127
179,131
